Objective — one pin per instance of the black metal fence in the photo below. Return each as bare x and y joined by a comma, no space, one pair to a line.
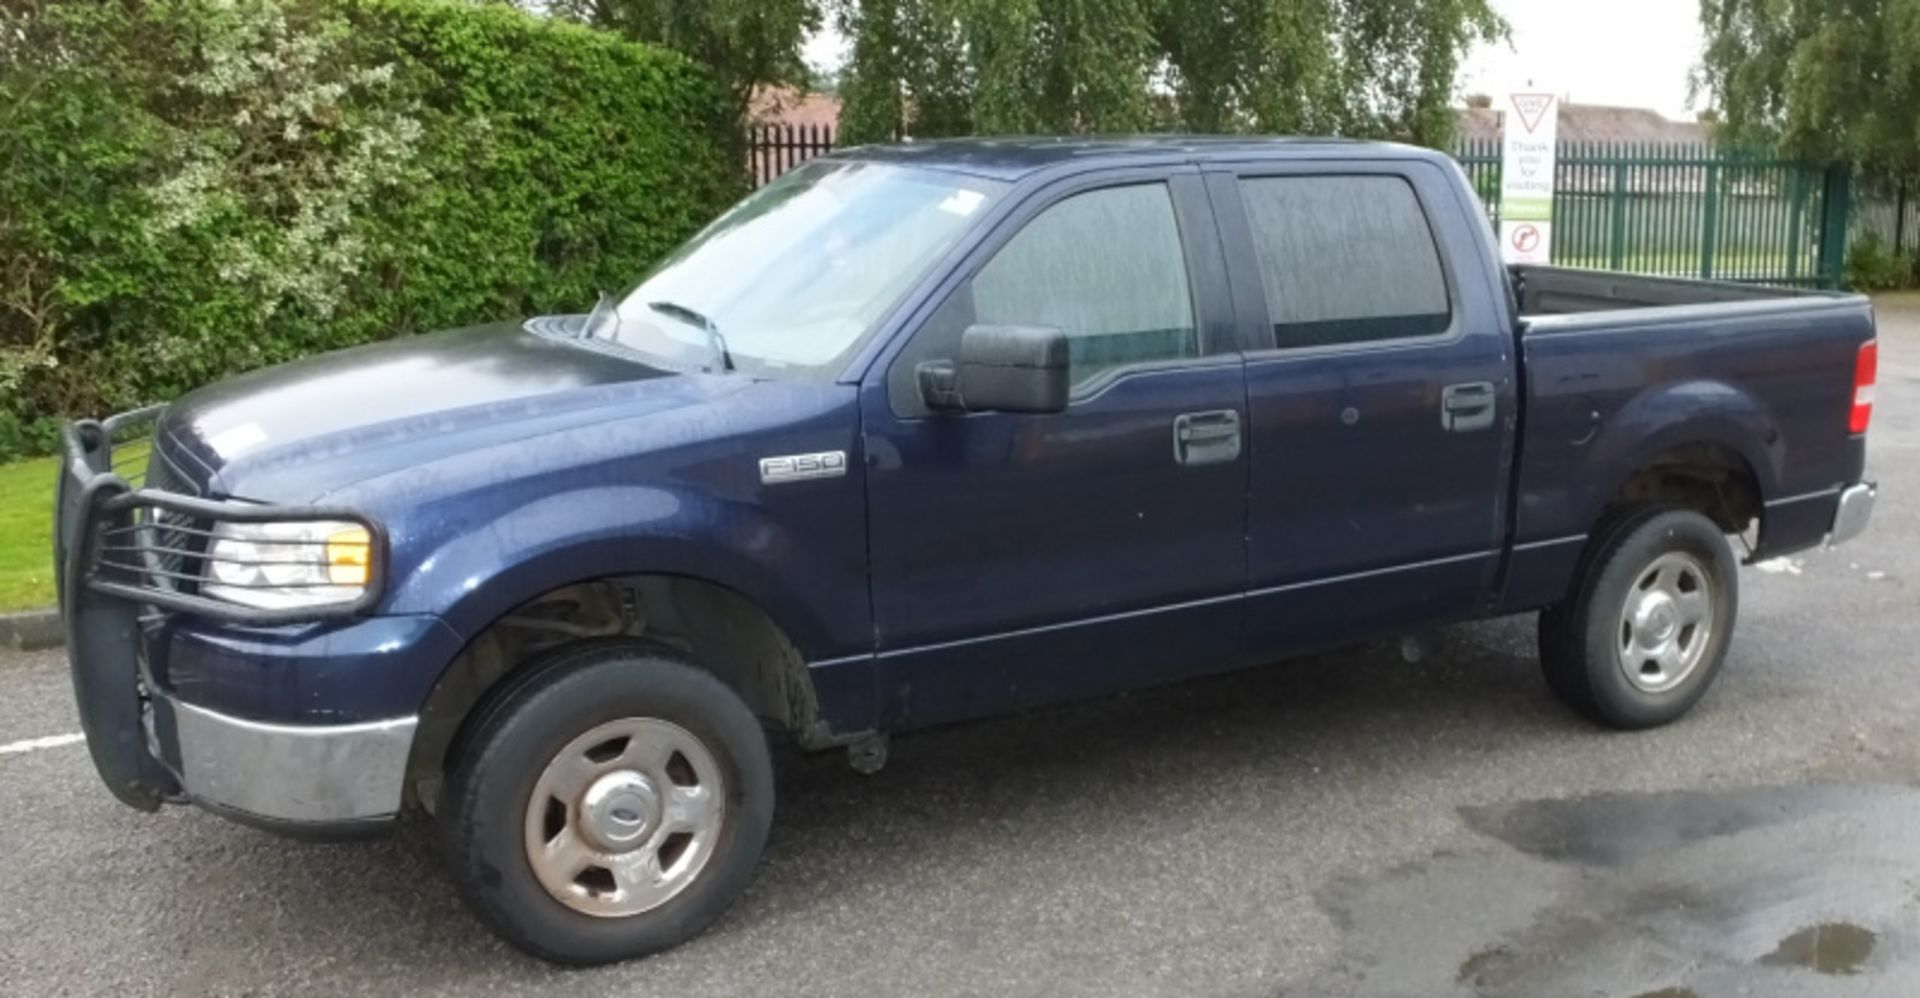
774,149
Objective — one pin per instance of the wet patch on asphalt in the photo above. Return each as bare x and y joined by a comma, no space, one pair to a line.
1827,948
1802,891
1483,966
1612,829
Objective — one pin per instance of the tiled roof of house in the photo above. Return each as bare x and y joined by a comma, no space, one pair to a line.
782,106
1594,123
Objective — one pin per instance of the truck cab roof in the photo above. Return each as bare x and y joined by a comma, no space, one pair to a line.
1015,158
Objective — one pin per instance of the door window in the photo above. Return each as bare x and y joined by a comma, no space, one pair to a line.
1346,260
1107,268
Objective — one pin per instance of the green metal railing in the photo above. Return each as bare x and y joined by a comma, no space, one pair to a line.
1674,210
1692,211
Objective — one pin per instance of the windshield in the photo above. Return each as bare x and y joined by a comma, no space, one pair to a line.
791,278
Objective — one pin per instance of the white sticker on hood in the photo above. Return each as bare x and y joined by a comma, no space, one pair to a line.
230,443
962,202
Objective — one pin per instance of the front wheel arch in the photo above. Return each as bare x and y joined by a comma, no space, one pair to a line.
715,628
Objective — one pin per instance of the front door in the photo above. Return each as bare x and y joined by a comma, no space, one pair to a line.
1024,559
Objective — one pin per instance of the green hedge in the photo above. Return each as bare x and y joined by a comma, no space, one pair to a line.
190,188
1872,265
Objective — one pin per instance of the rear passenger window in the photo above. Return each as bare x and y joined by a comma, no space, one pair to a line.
1346,260
1106,268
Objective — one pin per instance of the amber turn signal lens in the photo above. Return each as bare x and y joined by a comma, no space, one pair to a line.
348,554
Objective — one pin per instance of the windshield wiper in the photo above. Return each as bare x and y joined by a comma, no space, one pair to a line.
603,312
714,340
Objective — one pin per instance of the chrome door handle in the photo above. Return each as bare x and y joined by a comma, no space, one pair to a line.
1206,437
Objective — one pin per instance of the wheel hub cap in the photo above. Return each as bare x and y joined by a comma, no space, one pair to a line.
1667,623
624,817
620,808
1657,621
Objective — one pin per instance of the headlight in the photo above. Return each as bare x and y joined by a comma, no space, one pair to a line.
293,564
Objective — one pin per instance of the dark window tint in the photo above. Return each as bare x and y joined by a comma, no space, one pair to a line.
1106,267
1345,259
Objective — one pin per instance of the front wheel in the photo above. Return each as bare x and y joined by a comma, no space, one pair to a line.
1646,628
609,805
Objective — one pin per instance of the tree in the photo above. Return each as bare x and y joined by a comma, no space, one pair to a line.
1829,80
748,44
1352,67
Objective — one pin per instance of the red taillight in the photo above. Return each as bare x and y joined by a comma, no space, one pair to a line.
1866,369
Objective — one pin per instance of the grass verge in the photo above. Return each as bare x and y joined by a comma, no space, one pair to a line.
26,534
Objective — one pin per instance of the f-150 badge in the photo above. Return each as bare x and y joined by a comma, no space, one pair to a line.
800,467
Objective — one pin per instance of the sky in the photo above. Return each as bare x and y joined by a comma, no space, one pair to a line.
1633,53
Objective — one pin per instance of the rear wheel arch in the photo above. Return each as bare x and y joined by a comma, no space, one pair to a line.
1706,475
1695,430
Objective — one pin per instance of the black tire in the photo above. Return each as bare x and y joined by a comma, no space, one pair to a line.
1586,645
483,813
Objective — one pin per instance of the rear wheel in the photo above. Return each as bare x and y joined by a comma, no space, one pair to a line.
1646,628
608,806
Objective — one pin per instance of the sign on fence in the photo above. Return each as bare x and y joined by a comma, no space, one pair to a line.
1529,137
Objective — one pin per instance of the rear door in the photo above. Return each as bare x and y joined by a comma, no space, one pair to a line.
1021,559
1380,404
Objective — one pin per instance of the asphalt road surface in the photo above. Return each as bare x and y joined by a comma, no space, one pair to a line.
1344,825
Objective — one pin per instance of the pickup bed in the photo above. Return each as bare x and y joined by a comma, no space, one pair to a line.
917,434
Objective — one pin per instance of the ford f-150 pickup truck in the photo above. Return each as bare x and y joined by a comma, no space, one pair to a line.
912,435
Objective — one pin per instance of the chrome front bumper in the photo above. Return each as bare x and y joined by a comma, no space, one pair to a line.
285,777
1854,510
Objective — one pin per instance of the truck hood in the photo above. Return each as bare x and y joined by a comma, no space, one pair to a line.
297,431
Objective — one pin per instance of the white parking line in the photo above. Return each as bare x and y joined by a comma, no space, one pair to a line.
35,744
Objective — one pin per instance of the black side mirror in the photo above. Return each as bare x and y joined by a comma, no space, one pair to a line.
1001,369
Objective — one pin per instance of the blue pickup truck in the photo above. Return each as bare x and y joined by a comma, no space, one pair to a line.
918,434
